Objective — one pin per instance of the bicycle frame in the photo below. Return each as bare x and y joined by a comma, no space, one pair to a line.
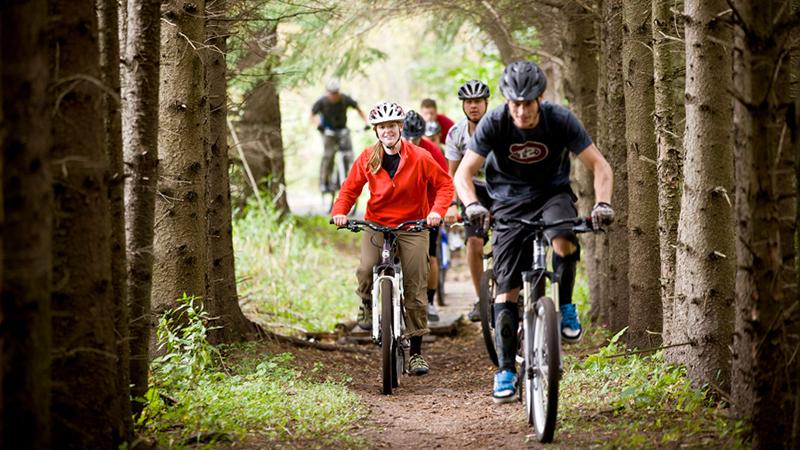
389,269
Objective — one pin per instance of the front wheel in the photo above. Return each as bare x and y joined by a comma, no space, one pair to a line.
387,337
485,302
542,361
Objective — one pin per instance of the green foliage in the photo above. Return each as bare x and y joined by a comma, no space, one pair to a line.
192,394
181,335
640,401
296,271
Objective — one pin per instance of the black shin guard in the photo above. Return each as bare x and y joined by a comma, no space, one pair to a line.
565,267
506,319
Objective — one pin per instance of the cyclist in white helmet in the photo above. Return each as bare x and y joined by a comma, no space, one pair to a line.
329,115
400,176
474,96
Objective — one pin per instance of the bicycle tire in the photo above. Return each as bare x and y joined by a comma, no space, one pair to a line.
485,310
542,374
442,272
387,337
398,362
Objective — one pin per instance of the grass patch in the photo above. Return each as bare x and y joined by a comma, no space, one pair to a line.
297,273
194,393
639,401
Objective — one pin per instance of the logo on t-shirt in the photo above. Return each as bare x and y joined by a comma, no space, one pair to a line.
528,152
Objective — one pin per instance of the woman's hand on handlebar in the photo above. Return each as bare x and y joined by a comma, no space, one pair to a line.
340,220
433,219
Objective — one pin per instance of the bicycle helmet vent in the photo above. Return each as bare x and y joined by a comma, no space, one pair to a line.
386,112
473,89
522,81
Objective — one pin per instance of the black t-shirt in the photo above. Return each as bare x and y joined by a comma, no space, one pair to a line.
390,163
525,164
334,115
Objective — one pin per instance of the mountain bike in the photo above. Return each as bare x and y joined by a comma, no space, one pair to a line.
539,351
341,141
388,322
443,259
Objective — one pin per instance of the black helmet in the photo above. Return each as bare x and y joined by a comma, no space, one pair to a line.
473,89
413,126
522,81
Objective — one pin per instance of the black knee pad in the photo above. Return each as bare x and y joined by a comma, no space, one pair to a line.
506,319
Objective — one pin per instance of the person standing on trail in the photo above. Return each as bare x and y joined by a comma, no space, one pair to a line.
430,113
400,176
329,115
413,129
525,145
474,96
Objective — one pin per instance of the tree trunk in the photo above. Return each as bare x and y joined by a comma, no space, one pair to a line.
580,87
766,367
140,148
180,227
612,143
108,27
222,300
260,128
670,160
86,404
704,279
27,207
645,301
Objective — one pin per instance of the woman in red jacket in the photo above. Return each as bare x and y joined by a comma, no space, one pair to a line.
399,175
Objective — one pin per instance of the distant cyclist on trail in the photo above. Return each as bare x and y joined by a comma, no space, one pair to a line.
474,96
525,145
413,129
430,113
329,115
400,176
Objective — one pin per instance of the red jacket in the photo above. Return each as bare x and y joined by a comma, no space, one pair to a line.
405,197
435,151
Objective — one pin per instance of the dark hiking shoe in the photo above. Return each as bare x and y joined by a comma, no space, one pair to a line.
417,365
474,315
365,315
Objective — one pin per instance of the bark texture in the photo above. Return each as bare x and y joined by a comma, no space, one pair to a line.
86,404
140,69
27,207
260,131
222,300
702,311
108,30
611,99
645,300
180,226
670,160
580,83
766,368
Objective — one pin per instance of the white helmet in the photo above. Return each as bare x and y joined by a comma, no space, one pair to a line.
386,112
332,85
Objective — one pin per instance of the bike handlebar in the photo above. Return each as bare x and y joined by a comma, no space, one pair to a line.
579,224
356,225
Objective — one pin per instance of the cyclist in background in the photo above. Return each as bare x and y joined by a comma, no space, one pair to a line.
525,145
430,113
433,132
413,129
400,176
474,96
329,115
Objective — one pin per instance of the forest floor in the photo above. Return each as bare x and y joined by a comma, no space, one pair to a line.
451,407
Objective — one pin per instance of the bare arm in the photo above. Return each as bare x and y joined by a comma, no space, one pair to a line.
469,166
361,113
603,176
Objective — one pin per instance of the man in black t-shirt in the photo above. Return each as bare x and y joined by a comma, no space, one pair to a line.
525,145
329,115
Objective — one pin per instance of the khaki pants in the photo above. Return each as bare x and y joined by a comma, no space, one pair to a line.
412,248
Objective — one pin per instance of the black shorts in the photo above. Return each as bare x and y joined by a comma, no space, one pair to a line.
512,246
433,239
477,230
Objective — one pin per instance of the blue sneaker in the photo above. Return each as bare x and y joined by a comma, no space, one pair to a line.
505,386
570,326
